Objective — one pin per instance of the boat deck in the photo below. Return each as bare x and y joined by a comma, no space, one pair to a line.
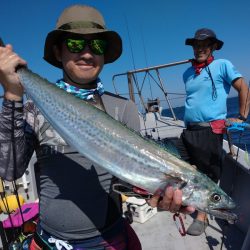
160,232
160,127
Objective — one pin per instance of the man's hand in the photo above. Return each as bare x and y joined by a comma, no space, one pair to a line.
9,61
229,121
171,201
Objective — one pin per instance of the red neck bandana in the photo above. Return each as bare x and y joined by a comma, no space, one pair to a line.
199,66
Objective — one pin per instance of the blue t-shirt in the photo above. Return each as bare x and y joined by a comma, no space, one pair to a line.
200,106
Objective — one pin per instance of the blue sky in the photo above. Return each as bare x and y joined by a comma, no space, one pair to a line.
153,33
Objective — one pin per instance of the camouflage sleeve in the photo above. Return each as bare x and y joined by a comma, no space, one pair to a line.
17,141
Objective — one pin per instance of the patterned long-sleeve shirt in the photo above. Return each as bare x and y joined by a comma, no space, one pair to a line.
76,198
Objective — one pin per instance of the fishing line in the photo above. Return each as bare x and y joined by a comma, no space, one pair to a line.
131,50
145,55
130,43
149,82
133,62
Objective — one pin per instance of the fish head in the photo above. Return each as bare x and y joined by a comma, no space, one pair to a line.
220,205
206,196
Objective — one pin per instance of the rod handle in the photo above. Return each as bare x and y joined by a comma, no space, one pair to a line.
1,186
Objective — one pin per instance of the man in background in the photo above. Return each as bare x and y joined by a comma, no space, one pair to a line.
207,84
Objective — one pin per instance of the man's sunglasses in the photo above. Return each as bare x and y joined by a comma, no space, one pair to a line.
202,46
97,46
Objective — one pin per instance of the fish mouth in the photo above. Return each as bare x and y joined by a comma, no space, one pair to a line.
224,214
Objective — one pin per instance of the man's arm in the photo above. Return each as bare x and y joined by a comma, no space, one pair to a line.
9,61
244,96
16,146
15,149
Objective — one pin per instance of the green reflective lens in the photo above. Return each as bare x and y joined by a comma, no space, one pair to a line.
75,46
97,46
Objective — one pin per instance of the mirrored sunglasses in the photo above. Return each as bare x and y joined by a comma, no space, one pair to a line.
97,46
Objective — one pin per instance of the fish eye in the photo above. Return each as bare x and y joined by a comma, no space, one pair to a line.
215,197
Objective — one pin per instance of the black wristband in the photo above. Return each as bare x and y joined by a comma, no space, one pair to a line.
242,118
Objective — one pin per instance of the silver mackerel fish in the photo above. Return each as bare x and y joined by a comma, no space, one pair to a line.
121,151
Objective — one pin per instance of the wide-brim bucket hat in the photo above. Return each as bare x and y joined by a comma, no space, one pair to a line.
203,34
83,20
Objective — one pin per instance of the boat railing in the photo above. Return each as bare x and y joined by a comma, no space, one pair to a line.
152,73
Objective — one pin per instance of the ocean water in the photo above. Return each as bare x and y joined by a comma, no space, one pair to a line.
239,138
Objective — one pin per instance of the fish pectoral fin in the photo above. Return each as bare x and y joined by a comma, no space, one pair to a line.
175,181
